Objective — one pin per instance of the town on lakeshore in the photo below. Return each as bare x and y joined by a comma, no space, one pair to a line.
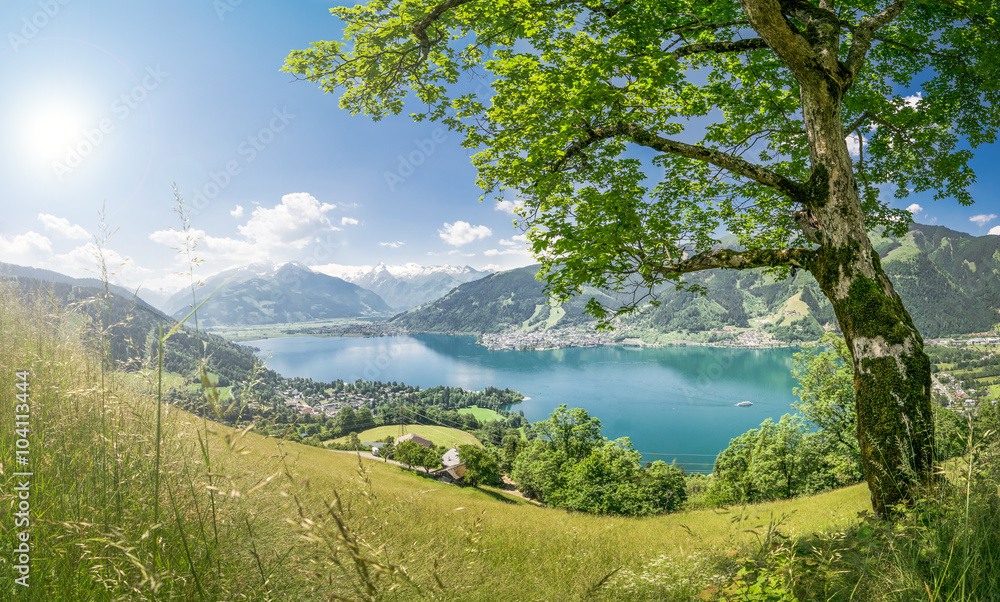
589,336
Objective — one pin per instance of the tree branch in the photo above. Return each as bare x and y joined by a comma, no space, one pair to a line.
740,260
864,33
705,26
732,163
419,29
860,121
767,18
722,47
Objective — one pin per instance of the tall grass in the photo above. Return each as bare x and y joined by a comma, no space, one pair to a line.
94,453
944,547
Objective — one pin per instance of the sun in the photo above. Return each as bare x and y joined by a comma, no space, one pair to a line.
51,129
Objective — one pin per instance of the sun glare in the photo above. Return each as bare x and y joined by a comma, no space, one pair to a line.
49,130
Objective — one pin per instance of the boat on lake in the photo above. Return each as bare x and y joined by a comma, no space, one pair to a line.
744,404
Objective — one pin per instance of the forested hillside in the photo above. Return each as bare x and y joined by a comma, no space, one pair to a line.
934,269
131,328
288,293
512,300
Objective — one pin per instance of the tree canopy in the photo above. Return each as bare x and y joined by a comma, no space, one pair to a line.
632,133
639,129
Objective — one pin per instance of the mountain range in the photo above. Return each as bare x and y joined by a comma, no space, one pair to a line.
948,280
408,285
11,271
264,293
511,300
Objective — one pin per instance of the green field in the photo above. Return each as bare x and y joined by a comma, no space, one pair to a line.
170,380
438,435
481,414
552,554
224,392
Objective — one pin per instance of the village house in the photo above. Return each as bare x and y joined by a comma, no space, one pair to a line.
415,438
452,468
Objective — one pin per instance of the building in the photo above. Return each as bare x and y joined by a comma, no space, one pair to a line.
450,458
450,474
415,438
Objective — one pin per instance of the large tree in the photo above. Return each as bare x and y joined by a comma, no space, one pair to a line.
633,132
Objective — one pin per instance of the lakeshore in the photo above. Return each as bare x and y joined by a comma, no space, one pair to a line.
673,402
588,336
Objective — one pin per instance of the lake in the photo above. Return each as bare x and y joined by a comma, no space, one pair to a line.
675,403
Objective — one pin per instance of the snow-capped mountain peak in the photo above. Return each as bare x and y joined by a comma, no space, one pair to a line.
406,285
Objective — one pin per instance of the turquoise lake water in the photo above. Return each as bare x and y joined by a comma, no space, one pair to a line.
675,403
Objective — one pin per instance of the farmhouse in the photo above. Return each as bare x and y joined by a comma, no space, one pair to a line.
415,438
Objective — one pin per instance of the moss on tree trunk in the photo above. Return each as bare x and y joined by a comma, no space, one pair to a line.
892,378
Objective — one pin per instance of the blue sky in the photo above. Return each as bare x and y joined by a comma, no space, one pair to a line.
108,103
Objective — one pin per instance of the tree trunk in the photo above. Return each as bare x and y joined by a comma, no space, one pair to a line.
892,380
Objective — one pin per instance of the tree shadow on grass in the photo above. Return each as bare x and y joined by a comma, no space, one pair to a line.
494,494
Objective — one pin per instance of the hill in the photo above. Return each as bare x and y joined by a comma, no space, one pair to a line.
266,294
512,300
9,271
934,270
216,513
132,328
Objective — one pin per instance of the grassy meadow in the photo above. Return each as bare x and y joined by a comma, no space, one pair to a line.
135,500
438,435
481,414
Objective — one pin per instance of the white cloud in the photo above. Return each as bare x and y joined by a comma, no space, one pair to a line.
913,100
461,233
35,250
30,248
238,212
853,146
348,221
982,219
392,245
293,223
914,208
515,245
173,238
212,247
518,240
507,251
995,231
61,227
86,259
299,228
231,248
491,267
509,207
